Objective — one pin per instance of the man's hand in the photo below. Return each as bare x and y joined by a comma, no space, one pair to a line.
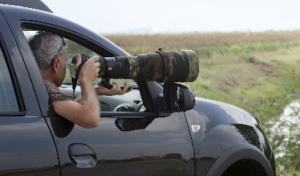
87,112
115,90
89,70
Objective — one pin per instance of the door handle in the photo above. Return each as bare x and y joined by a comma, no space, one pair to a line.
82,155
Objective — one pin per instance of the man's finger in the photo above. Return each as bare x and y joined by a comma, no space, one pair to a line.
118,88
114,89
78,60
124,88
95,58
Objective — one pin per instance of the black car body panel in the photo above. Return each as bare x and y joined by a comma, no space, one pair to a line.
224,127
27,147
164,146
158,144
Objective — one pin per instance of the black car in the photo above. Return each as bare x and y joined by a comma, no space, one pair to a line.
135,136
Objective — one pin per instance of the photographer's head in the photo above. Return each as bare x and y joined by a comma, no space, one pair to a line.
47,47
50,51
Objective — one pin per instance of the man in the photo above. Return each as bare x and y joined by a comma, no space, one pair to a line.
50,51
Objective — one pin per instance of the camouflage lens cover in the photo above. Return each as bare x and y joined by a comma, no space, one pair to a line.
173,66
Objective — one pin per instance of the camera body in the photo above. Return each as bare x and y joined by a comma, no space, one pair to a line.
73,69
74,72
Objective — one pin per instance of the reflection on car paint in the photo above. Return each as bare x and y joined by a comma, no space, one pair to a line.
195,128
147,147
24,142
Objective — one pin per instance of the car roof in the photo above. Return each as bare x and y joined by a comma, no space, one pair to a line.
20,15
34,4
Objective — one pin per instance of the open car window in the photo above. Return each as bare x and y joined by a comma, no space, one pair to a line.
74,48
129,102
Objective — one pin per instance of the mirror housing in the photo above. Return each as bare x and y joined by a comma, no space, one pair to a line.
186,98
177,98
171,98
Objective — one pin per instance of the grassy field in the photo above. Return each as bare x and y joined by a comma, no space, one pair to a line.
255,71
136,44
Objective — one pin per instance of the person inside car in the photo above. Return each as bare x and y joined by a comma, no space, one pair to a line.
50,51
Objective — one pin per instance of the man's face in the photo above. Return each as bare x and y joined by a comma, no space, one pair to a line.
62,70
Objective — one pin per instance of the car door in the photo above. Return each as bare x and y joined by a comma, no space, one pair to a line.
26,146
125,143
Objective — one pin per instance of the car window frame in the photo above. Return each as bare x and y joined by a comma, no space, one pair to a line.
90,44
14,81
67,33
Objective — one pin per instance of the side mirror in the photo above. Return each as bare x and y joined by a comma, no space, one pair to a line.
174,98
177,97
186,98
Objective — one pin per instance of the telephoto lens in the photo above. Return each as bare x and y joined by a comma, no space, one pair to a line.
161,66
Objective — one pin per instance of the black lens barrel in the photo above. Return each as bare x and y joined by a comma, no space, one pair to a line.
111,64
114,67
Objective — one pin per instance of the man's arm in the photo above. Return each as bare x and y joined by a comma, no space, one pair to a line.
87,112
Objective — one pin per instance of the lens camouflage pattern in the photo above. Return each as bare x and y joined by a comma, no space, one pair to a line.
162,66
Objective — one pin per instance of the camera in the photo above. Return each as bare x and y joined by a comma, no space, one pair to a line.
161,66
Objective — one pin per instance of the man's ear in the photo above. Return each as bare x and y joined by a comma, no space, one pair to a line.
56,64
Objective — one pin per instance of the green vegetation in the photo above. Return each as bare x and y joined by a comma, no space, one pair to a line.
244,48
263,83
136,44
254,71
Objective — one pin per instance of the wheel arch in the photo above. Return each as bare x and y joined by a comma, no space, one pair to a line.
236,153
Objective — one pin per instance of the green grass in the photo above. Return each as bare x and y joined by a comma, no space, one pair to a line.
232,74
245,48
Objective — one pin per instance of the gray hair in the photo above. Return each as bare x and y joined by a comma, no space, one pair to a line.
45,46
